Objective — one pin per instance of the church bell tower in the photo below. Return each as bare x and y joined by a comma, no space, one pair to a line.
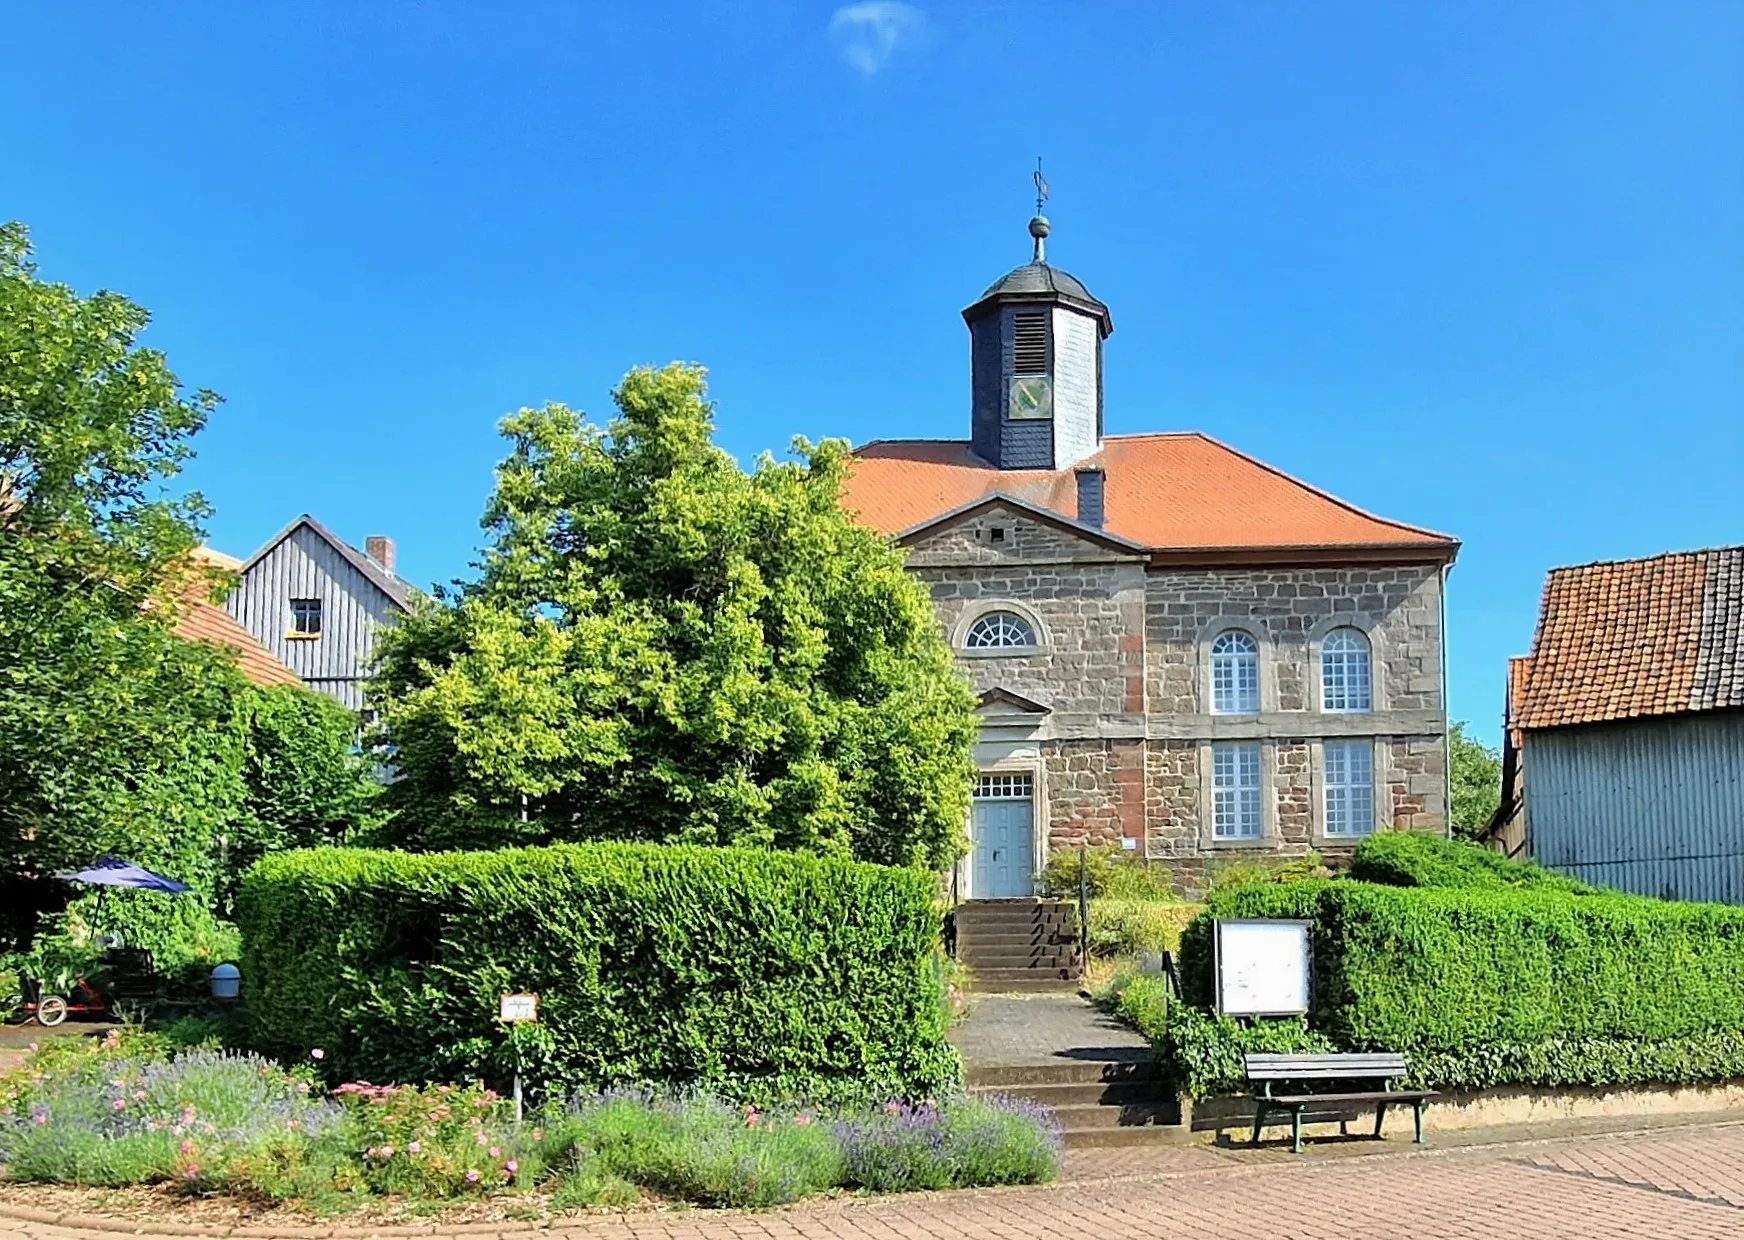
1036,363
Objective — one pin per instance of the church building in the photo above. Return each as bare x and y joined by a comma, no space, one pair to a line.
1179,650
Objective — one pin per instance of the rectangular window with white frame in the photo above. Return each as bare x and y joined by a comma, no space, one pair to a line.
1349,768
1235,791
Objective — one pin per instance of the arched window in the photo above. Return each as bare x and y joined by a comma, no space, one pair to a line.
1344,672
1000,630
1235,674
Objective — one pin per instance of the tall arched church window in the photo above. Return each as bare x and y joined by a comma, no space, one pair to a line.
1000,630
1235,674
1345,680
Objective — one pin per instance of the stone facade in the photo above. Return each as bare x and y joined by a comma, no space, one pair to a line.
1122,752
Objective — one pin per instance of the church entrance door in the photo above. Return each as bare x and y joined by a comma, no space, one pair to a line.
1002,825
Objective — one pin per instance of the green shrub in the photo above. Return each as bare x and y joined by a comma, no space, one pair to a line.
1107,872
1416,859
1202,1053
758,975
1486,987
1142,1001
1131,927
1230,872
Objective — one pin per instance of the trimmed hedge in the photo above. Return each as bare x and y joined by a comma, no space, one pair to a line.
1491,987
1416,859
757,975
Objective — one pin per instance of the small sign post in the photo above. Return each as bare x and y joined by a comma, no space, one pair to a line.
518,1009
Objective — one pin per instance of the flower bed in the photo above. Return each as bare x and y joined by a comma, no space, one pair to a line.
127,1112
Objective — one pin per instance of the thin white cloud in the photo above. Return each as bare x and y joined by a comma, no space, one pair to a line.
869,33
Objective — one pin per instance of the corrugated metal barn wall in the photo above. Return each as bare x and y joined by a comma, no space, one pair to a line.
1653,806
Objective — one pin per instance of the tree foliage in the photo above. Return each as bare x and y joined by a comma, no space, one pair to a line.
1477,781
661,646
115,734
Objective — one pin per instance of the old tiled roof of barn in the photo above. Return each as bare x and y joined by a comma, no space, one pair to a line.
1180,491
1632,638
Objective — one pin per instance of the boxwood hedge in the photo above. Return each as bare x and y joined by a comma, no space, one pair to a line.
1489,987
757,975
1418,859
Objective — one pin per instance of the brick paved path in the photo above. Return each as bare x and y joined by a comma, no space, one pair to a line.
1677,1184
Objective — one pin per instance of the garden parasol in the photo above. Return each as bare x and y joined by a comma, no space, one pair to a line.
118,872
112,871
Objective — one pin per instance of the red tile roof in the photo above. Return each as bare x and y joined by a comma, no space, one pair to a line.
1171,492
201,620
1631,638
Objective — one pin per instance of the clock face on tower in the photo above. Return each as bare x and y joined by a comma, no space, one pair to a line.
1032,396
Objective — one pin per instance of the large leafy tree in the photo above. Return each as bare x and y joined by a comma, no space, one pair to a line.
1477,781
662,646
115,734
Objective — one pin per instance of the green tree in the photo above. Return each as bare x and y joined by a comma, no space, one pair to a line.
662,646
1477,781
115,734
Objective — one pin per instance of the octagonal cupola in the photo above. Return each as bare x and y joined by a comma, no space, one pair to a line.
1036,366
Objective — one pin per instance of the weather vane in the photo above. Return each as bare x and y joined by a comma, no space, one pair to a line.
1039,227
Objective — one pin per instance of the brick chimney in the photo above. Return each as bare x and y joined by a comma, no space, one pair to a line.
380,548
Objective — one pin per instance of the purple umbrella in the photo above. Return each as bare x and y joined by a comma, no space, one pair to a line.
116,872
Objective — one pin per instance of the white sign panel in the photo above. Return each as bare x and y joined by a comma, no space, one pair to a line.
1262,968
514,1009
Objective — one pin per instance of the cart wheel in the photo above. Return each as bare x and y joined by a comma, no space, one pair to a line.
13,1011
51,1011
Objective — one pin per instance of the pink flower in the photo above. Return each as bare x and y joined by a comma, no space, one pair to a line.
412,1147
31,1048
804,1121
387,1151
495,1152
511,1166
317,1053
472,1177
192,1173
118,1104
139,1095
187,1147
478,1138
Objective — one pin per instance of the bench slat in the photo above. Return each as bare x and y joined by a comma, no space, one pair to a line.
1322,1067
1376,1096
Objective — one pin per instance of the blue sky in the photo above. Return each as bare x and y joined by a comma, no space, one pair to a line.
1476,266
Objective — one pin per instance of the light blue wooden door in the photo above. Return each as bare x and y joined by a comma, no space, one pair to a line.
1002,825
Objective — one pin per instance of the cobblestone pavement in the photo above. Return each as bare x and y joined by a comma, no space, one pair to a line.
1674,1184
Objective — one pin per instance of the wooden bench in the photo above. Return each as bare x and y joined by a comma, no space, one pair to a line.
1268,1071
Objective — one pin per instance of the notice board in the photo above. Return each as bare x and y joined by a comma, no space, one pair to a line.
1262,967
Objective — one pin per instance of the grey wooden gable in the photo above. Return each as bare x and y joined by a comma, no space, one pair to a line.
358,597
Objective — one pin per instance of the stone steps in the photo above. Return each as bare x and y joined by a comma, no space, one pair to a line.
1098,1103
1018,945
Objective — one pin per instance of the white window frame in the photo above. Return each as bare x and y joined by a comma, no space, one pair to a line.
1240,668
1238,785
1347,673
1026,619
1347,793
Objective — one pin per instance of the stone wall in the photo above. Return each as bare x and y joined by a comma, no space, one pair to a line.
1088,604
1123,751
1398,606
